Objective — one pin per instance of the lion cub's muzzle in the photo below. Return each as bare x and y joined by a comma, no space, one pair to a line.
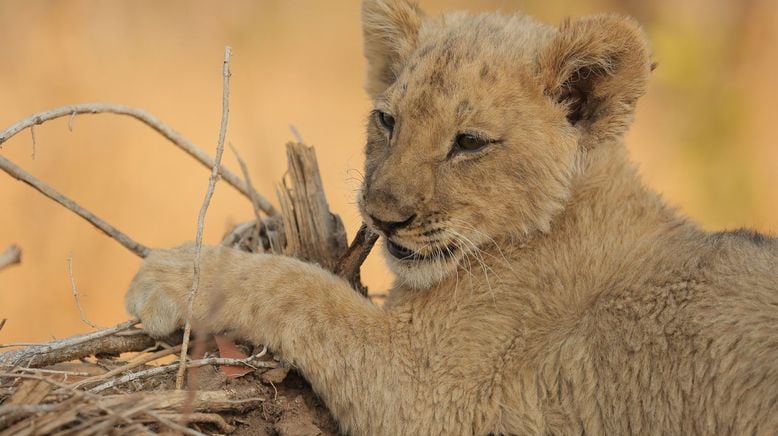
389,228
406,254
401,252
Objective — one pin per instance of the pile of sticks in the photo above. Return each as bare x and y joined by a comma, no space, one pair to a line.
40,394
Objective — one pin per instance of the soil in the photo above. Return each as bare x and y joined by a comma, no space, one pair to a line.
291,408
294,411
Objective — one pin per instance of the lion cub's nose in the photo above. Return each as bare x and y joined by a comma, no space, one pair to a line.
390,227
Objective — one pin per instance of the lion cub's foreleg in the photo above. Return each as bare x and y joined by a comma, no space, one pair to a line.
338,340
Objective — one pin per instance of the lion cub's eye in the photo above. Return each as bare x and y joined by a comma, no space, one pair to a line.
467,142
386,120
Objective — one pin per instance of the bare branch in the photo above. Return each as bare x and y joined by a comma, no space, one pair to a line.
348,266
21,175
146,118
74,347
151,372
109,345
201,216
75,295
254,200
11,256
54,371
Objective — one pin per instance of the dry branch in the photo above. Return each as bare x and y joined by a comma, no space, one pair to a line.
100,342
146,118
110,345
254,201
349,264
21,175
203,209
11,256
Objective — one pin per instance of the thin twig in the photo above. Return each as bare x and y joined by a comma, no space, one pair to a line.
34,142
75,296
11,256
147,373
247,362
54,371
19,344
21,175
129,366
151,372
201,216
296,133
70,120
176,138
254,201
27,409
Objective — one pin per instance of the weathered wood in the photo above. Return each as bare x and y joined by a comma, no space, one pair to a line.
349,265
313,233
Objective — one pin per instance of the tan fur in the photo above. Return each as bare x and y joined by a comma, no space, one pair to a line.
575,300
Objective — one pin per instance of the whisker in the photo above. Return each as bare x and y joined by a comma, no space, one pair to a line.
472,228
477,256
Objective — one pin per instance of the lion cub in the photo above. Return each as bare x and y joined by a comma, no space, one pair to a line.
541,288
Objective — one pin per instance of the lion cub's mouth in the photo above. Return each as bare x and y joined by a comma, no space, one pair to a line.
406,254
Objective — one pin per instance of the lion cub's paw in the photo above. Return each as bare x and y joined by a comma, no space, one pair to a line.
159,291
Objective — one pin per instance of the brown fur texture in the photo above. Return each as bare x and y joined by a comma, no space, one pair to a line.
548,291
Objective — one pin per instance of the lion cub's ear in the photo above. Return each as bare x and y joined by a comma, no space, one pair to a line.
391,30
598,67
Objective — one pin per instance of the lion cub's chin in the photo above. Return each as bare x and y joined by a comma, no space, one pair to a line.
421,274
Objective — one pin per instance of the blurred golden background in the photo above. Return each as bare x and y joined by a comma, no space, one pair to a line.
704,134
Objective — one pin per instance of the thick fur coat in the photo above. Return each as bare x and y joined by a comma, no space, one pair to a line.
541,287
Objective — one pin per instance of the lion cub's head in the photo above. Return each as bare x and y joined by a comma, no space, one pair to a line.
480,124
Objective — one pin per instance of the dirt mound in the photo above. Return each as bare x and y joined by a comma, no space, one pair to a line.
98,396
